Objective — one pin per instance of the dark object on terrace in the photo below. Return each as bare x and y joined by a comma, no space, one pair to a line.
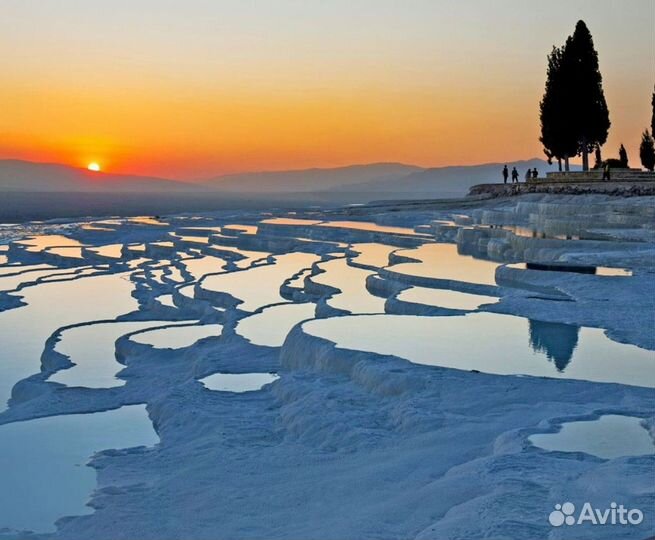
579,269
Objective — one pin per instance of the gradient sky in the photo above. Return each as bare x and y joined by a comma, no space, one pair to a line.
194,88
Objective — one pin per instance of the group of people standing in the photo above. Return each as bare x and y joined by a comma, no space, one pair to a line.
515,174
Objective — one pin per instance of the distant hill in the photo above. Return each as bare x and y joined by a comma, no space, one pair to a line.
311,180
362,183
443,182
17,175
41,190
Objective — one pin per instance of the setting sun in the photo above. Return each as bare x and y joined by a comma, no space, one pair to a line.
94,167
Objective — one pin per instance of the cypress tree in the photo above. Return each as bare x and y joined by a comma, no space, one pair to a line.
556,133
584,90
599,158
623,157
647,151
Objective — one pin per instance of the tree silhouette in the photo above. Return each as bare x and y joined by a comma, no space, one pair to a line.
584,92
599,159
623,157
556,133
557,341
647,151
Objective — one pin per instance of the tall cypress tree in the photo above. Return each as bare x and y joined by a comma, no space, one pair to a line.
599,158
584,91
623,156
557,135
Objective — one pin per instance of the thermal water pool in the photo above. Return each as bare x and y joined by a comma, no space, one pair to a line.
493,343
42,463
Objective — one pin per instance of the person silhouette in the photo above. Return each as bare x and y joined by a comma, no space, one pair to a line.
535,174
528,175
515,176
606,171
505,174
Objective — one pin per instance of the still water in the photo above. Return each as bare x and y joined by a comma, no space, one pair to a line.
238,382
42,463
610,436
50,306
271,326
177,337
492,343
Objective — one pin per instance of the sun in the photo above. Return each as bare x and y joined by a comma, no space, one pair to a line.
93,166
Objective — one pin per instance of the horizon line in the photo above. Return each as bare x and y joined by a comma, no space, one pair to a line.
267,171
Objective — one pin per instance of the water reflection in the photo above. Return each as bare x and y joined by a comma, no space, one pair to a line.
445,298
351,281
92,348
42,463
36,244
492,343
443,261
556,340
372,254
260,286
271,326
51,306
369,226
177,337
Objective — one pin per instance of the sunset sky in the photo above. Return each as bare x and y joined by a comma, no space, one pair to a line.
196,88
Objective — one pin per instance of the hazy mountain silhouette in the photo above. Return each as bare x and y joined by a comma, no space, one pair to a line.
374,181
311,180
441,182
42,190
18,175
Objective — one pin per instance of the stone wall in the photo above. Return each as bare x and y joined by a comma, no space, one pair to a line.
596,175
617,189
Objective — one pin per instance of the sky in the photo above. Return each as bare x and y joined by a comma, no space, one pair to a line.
196,88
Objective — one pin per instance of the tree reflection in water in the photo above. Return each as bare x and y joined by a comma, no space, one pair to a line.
556,340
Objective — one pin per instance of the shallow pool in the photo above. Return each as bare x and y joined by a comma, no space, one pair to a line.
442,261
42,463
608,437
351,281
177,337
92,349
445,298
271,326
36,244
369,226
24,330
493,343
372,254
260,286
238,382
202,266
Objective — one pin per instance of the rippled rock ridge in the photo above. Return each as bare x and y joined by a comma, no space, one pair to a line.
399,370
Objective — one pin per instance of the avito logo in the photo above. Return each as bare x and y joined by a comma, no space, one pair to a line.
564,514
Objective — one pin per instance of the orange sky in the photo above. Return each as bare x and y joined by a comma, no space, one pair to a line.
200,88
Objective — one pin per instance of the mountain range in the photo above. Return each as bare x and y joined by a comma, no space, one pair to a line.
360,183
